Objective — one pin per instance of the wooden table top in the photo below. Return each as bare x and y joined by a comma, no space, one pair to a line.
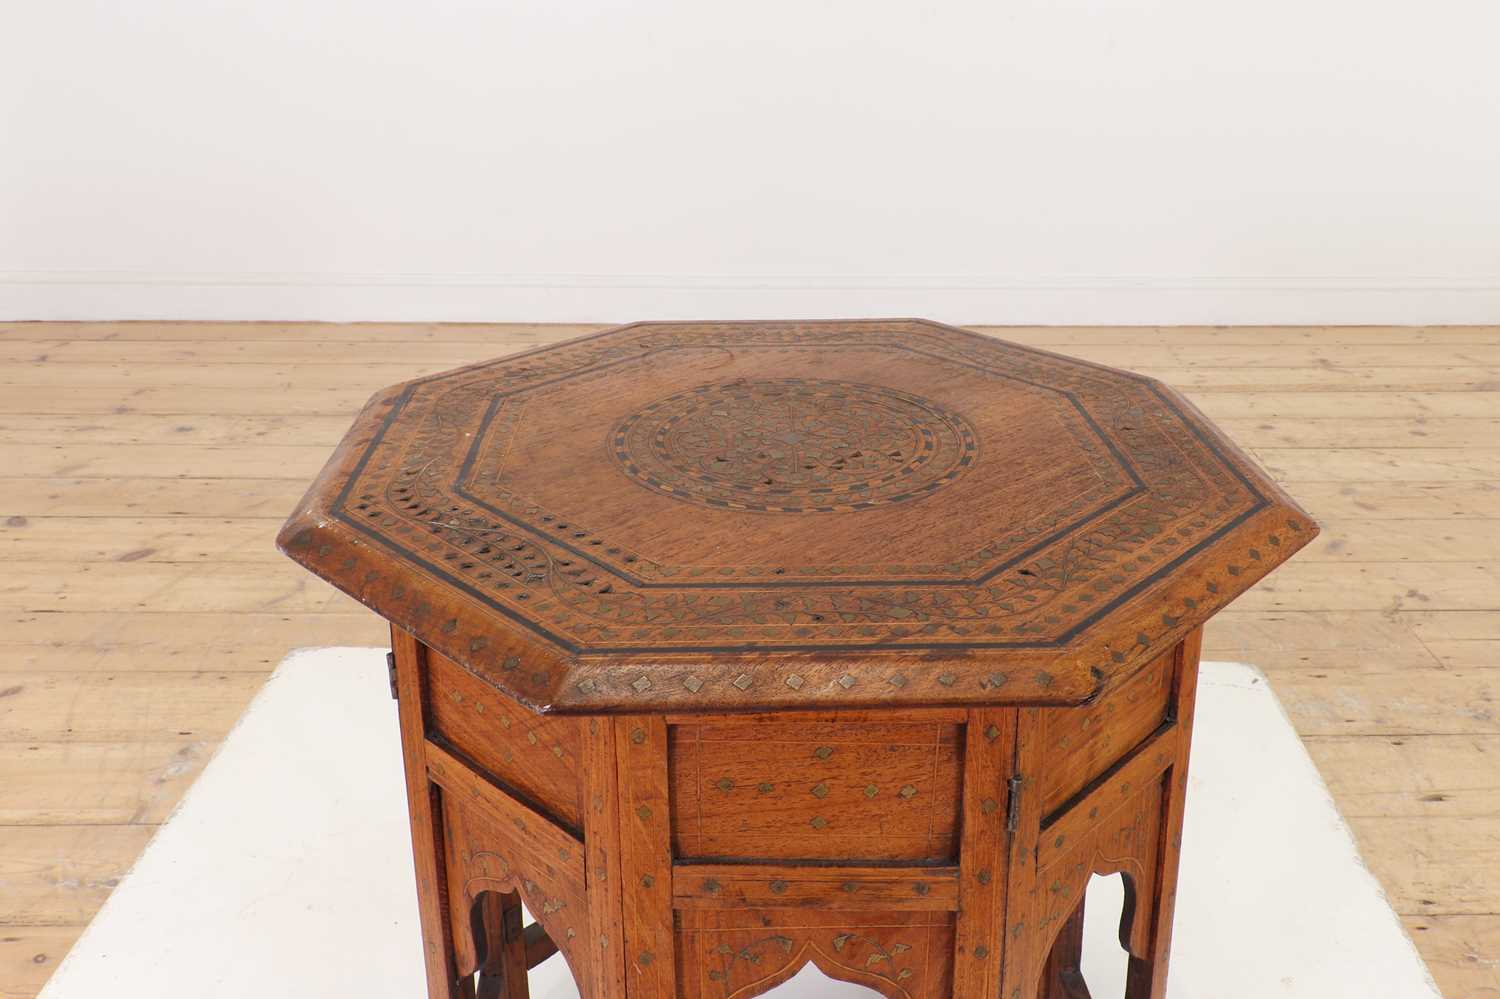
735,516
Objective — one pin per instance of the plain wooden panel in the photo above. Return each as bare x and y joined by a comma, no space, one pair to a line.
538,756
1079,744
858,791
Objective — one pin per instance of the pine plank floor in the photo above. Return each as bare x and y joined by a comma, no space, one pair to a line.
144,468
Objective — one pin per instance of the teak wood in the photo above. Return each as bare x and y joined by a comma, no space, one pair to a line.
732,647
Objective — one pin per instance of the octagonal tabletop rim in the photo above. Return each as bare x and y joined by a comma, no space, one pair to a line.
727,516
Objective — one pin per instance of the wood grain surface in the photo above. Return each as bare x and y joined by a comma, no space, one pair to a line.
143,601
740,516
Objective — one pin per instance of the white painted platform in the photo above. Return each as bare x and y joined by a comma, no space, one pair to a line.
286,871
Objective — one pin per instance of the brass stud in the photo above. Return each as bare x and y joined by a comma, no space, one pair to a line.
992,733
988,806
641,684
712,887
638,735
981,952
778,887
692,683
795,682
643,812
820,791
851,887
765,787
846,681
646,958
898,681
647,881
907,792
823,752
871,790
921,888
724,784
947,679
743,681
818,822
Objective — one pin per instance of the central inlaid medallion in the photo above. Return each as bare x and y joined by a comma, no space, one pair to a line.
794,445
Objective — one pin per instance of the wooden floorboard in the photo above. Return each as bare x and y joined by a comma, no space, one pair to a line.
144,468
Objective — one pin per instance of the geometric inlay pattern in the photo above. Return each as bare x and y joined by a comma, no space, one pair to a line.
794,445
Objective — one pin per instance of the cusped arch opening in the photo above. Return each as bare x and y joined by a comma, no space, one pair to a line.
811,982
1090,958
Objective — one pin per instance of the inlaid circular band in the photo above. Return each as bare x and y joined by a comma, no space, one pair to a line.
794,445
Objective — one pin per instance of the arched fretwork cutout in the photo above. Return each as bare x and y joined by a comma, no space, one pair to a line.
811,982
796,961
486,888
730,954
1091,956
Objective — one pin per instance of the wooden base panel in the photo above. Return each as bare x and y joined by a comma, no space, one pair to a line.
598,825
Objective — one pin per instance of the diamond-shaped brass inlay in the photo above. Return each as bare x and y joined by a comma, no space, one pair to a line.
820,791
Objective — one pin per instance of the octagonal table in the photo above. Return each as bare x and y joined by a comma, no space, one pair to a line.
734,646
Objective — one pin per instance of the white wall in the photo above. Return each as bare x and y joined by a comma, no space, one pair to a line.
1007,161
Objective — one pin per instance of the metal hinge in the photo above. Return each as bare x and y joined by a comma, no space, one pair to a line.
1013,806
390,669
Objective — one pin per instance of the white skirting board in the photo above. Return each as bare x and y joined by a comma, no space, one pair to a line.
286,870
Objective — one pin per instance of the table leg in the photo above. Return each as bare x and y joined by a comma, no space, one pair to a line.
426,820
502,975
1062,978
1147,978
